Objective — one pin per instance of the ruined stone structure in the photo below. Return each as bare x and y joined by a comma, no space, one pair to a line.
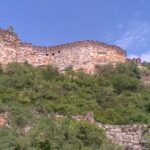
82,55
131,137
145,79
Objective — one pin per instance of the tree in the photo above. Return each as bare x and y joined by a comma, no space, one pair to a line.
10,29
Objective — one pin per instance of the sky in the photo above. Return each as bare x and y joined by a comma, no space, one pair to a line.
125,23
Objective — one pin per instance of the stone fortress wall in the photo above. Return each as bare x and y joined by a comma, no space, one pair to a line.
131,137
82,55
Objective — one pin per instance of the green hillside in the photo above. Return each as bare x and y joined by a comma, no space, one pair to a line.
31,96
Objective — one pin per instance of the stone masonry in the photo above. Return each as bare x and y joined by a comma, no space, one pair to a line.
128,136
82,55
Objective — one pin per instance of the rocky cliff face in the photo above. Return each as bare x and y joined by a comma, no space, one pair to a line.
82,55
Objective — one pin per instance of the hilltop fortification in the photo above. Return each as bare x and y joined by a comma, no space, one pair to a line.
82,55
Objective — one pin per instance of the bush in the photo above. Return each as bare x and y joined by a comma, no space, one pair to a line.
122,82
45,90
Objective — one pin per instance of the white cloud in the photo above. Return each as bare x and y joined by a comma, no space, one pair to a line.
135,38
144,56
134,35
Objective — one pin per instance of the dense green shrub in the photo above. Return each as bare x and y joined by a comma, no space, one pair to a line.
31,96
46,133
113,94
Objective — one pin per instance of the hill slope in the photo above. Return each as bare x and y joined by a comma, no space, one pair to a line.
30,96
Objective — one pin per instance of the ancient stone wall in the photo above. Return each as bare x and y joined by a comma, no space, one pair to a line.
82,55
131,137
145,79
